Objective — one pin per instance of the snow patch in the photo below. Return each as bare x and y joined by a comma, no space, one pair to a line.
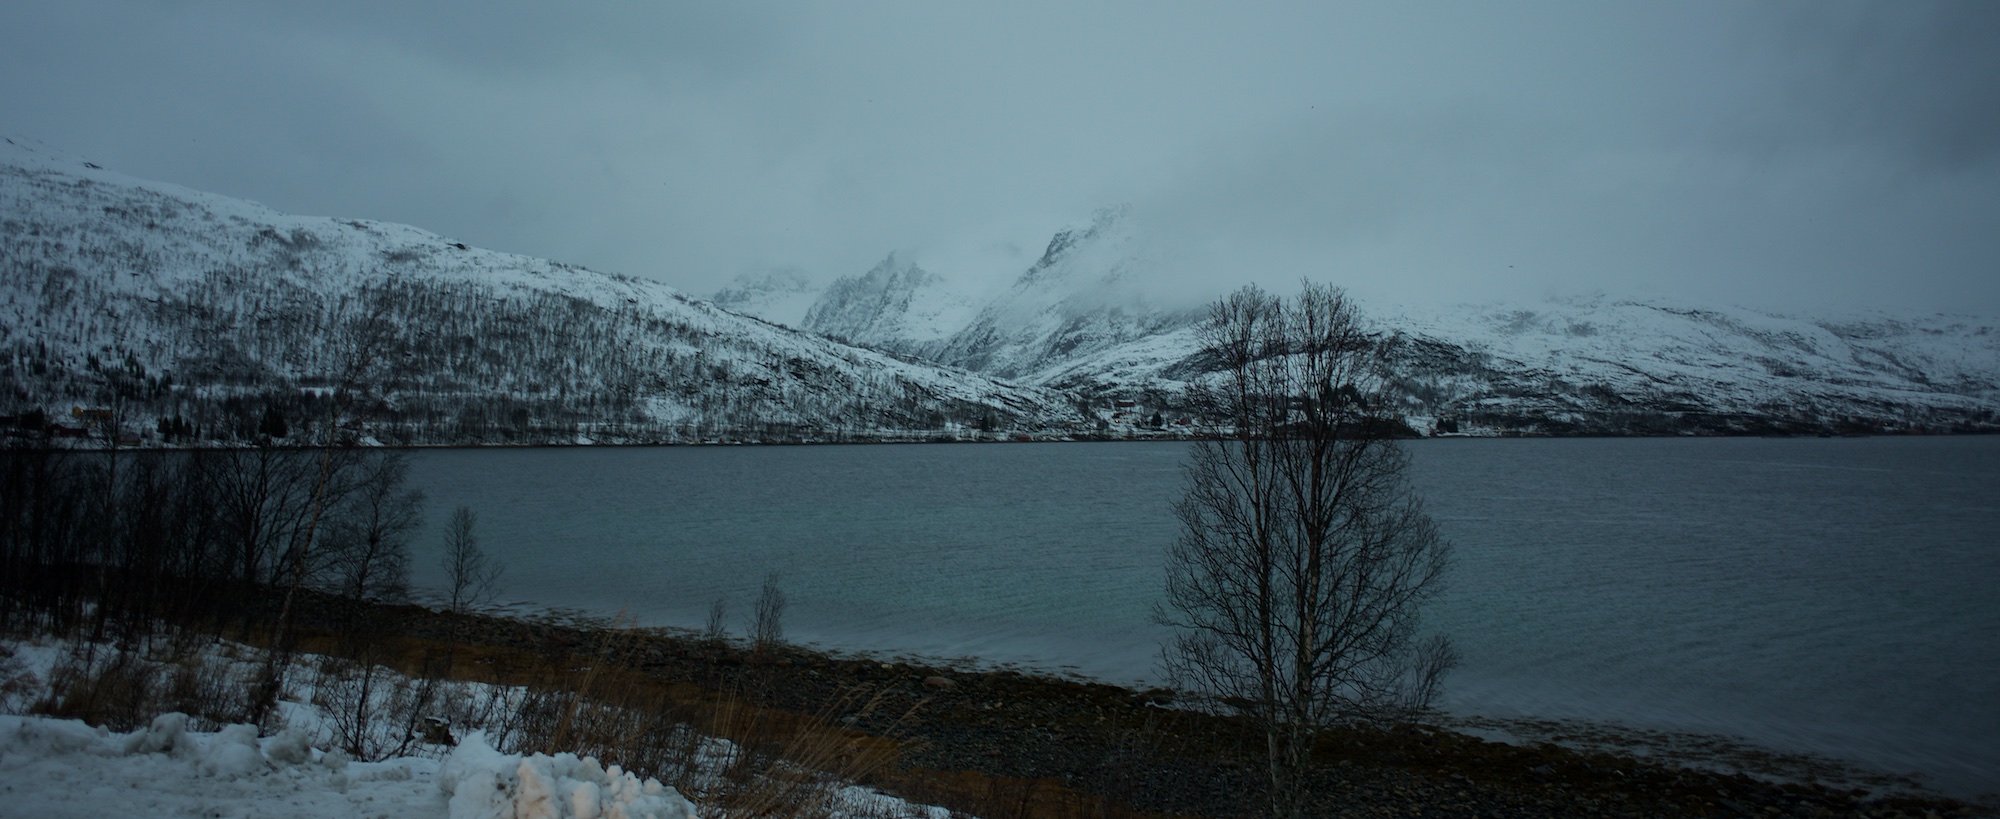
482,783
63,768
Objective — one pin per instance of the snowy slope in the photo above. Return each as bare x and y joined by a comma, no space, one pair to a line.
894,306
1607,365
1081,298
780,296
1598,354
180,299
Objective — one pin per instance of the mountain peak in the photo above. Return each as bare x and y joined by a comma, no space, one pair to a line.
908,272
781,295
896,305
1103,223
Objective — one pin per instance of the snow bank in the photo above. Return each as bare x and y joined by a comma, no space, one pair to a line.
482,783
63,768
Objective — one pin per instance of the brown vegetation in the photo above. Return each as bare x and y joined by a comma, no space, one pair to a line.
1003,743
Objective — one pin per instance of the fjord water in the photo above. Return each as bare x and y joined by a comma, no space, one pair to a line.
1837,596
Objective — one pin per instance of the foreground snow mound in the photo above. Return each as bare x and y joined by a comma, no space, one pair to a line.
483,783
63,768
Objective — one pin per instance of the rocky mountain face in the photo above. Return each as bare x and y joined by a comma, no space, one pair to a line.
145,306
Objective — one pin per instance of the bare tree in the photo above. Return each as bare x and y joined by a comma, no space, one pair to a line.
1303,558
265,497
767,625
471,575
357,344
717,626
366,550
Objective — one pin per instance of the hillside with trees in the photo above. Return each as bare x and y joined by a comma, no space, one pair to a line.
172,315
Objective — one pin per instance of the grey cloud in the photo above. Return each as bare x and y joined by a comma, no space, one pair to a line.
1766,153
1917,81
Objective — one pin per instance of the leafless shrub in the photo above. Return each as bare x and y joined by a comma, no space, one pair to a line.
717,626
102,686
211,695
377,714
767,625
365,551
18,684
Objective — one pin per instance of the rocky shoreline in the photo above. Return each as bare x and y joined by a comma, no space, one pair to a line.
1002,742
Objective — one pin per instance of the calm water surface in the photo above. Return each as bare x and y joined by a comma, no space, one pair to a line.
1839,596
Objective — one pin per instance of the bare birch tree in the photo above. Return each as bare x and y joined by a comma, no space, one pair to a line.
1304,558
366,548
471,575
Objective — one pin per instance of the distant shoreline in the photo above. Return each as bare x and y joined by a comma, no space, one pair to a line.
1973,433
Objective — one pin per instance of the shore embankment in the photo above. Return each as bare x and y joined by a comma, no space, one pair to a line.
1002,742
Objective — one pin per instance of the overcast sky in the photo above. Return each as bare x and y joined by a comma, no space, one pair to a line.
1798,154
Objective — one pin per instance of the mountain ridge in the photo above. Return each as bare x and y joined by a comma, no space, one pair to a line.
1077,321
177,303
180,305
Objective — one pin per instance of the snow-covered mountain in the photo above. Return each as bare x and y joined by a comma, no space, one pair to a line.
1079,321
781,296
1083,296
1598,363
1650,366
165,302
169,303
894,306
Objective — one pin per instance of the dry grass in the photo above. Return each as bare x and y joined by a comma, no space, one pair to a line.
724,749
1003,797
768,761
123,689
